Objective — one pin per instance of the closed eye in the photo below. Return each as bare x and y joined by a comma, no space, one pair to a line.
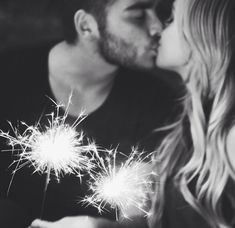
169,20
138,15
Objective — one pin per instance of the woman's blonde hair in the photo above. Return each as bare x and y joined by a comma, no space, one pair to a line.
195,149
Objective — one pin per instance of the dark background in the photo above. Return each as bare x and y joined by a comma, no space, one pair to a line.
29,22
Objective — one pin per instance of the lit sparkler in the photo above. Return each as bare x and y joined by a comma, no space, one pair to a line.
123,187
53,149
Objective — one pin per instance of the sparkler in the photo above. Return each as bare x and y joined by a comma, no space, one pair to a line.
53,149
123,187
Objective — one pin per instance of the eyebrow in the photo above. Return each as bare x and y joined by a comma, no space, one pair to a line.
140,5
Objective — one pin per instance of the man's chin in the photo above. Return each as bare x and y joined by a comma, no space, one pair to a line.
159,63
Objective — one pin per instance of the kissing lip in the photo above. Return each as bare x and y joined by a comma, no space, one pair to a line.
155,48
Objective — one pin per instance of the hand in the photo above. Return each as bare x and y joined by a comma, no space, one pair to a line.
68,222
89,222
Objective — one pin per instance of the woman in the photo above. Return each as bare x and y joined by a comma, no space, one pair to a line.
198,155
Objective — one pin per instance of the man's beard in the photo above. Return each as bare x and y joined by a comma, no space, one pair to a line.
117,51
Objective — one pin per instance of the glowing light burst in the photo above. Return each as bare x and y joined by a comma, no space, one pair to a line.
53,149
123,187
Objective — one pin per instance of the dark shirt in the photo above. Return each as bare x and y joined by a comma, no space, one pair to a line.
138,103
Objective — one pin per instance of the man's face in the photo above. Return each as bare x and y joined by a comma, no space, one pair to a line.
131,33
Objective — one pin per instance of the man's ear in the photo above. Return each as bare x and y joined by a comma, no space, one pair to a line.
85,24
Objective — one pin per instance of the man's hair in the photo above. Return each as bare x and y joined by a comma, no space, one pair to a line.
95,7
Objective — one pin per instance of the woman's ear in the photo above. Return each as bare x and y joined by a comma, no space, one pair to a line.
85,24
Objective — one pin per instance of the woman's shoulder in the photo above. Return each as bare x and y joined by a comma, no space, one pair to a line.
230,145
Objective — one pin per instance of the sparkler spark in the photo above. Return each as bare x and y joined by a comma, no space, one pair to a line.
123,187
53,149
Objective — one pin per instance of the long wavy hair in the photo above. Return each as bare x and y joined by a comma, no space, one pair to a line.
195,150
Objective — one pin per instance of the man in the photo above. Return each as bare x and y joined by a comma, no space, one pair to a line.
109,45
108,34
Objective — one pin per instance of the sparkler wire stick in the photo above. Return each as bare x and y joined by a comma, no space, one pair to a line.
44,192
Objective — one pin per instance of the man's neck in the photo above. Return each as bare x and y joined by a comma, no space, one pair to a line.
84,74
80,66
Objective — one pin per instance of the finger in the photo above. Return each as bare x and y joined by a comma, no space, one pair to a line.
37,223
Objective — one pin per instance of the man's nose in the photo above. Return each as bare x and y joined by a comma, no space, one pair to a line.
155,26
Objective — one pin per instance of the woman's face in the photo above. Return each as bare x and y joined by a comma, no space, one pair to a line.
173,52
